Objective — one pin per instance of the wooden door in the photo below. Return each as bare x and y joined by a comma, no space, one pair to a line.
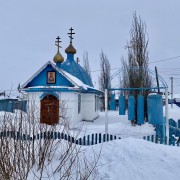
49,110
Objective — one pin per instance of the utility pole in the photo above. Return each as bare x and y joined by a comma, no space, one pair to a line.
157,79
171,91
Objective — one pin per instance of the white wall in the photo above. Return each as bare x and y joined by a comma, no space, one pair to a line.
88,107
68,103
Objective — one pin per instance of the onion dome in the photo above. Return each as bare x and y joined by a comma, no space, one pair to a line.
70,49
72,67
58,58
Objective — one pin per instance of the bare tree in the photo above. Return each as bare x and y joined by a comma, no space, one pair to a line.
105,75
30,150
86,64
135,69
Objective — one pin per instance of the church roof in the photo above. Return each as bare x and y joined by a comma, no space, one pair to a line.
73,81
76,70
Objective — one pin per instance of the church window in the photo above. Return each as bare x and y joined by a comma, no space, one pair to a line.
79,103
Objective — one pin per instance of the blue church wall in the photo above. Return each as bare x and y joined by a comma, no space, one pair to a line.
41,79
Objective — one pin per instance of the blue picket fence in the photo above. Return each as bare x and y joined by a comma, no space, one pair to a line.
85,140
174,134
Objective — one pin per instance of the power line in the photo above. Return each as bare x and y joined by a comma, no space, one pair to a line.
165,59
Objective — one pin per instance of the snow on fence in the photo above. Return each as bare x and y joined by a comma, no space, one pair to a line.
157,140
174,134
85,141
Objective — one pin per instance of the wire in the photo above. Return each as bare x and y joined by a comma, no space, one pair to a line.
165,59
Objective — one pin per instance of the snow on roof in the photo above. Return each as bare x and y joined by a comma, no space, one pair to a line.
74,80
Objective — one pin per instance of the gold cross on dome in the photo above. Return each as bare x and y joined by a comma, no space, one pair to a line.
57,43
70,34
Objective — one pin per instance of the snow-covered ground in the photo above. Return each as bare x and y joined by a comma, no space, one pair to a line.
137,159
130,158
117,125
133,158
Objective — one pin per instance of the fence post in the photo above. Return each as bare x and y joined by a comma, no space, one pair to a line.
96,137
152,138
104,139
88,143
99,137
84,140
92,140
111,137
59,135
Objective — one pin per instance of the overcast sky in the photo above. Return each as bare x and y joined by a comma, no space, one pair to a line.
28,30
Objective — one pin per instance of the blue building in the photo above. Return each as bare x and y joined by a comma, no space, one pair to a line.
62,89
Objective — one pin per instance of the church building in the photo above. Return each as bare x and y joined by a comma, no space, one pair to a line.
62,89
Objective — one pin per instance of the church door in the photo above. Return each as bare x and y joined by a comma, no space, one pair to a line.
49,110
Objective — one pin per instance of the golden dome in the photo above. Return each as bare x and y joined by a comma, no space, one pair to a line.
58,58
70,49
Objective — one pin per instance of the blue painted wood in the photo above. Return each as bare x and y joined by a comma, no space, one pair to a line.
156,139
44,135
122,105
73,141
107,137
92,140
84,140
77,141
131,108
140,109
48,135
112,103
59,135
88,140
65,136
111,137
96,138
55,135
38,137
76,70
152,138
179,123
41,78
52,135
174,123
99,137
104,138
69,138
155,109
